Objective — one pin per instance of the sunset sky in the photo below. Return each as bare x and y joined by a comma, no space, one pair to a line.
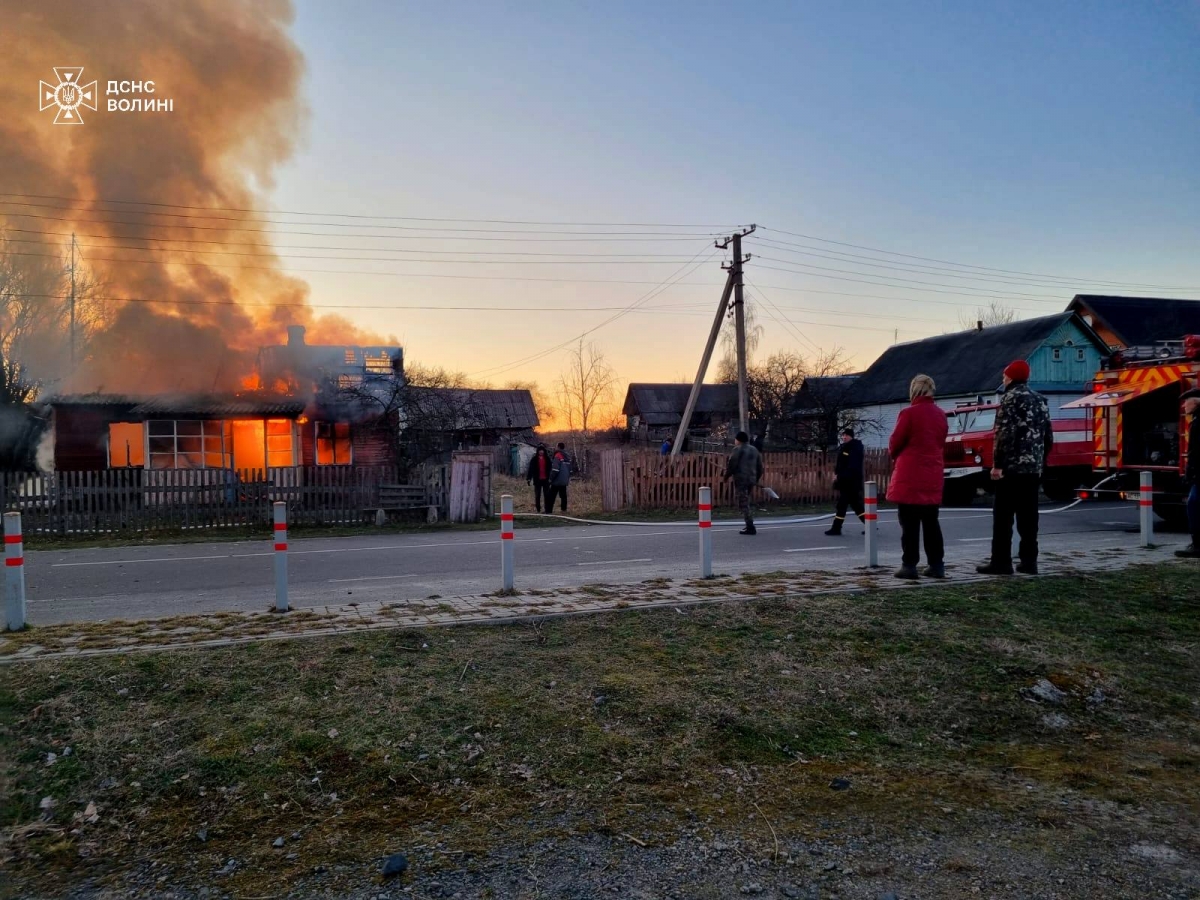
906,163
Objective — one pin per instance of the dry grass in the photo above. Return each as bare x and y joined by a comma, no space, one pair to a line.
731,713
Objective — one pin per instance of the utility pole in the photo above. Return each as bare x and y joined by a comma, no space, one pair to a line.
733,287
72,301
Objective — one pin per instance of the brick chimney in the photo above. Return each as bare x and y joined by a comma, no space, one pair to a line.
295,335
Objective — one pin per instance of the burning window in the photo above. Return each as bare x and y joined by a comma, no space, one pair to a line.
378,363
280,443
348,382
126,445
333,443
188,444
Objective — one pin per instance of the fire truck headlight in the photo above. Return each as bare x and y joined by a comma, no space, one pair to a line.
978,459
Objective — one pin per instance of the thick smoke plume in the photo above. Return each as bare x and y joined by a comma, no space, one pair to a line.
233,74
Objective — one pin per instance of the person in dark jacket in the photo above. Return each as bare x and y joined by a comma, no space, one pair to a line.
1023,438
538,475
848,480
745,467
918,447
560,477
1191,477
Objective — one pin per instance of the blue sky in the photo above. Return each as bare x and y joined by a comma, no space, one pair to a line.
1040,137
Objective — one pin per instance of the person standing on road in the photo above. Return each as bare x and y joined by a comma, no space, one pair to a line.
1191,477
538,475
745,467
918,447
1023,438
560,477
848,480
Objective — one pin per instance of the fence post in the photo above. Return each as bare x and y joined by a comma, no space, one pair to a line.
281,567
705,532
506,539
870,517
1146,506
14,573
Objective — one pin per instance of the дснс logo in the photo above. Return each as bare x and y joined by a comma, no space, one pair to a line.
68,95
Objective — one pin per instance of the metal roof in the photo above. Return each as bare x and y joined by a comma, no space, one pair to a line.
1141,320
204,405
663,404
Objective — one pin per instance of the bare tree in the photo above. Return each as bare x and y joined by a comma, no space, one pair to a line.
995,313
772,388
727,366
586,387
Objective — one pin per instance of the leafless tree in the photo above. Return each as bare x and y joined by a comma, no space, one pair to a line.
586,388
727,365
995,313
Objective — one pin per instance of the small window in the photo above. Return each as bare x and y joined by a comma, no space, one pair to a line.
1080,355
1058,354
126,445
280,446
333,443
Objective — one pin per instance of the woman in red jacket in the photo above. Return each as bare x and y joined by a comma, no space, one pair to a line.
918,447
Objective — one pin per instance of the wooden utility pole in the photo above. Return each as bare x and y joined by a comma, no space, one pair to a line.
72,300
733,287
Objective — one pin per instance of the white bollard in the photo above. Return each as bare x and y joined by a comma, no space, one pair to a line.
281,542
506,539
1146,507
14,573
870,518
705,523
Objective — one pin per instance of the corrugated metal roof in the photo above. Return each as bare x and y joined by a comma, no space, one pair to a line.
663,404
207,405
479,409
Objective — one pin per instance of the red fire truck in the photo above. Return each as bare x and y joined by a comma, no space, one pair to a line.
969,448
1138,423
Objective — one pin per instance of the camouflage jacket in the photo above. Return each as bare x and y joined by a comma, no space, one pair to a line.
1024,434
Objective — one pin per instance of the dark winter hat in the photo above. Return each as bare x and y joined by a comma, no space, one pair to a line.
1017,370
742,436
848,432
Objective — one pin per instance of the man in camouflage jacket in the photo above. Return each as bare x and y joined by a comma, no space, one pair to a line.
1023,438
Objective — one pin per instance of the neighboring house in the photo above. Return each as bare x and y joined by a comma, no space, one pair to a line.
1063,353
100,431
1137,321
468,417
821,410
653,411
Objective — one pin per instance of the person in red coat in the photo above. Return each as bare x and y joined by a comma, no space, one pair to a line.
918,447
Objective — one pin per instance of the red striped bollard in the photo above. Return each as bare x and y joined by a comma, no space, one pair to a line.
14,573
506,541
705,524
281,568
1146,507
870,520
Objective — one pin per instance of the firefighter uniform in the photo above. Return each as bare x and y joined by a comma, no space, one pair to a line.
848,482
1191,476
1023,438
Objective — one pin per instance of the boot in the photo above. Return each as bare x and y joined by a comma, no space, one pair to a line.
938,571
835,529
991,568
908,573
1191,551
749,529
1027,568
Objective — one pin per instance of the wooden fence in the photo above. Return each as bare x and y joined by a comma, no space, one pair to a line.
144,500
646,480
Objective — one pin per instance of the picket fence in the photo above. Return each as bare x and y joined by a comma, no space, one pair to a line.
146,500
646,480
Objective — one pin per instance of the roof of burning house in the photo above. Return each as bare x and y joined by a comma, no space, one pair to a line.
203,405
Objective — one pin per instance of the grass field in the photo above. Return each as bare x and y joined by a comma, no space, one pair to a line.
736,716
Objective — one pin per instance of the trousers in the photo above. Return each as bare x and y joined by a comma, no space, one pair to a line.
556,490
851,499
1016,498
541,495
1193,514
913,521
743,502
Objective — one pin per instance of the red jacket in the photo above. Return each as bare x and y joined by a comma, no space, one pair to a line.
918,447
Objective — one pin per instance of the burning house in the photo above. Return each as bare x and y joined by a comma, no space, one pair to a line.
304,406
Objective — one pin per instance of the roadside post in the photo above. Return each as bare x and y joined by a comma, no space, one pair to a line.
281,567
705,524
14,573
506,539
870,518
1146,508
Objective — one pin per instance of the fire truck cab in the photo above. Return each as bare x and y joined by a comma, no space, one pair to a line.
1138,423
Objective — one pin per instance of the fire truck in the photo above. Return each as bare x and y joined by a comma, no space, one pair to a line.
1138,422
969,446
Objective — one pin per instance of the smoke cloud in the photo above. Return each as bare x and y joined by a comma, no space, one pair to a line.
234,76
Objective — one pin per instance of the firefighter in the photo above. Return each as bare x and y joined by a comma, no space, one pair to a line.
1191,476
1023,438
848,480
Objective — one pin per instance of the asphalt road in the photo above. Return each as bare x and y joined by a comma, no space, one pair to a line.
149,582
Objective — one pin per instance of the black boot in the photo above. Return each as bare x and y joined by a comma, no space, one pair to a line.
749,529
908,573
835,529
993,568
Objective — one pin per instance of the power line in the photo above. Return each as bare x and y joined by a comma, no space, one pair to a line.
978,293
809,237
92,202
